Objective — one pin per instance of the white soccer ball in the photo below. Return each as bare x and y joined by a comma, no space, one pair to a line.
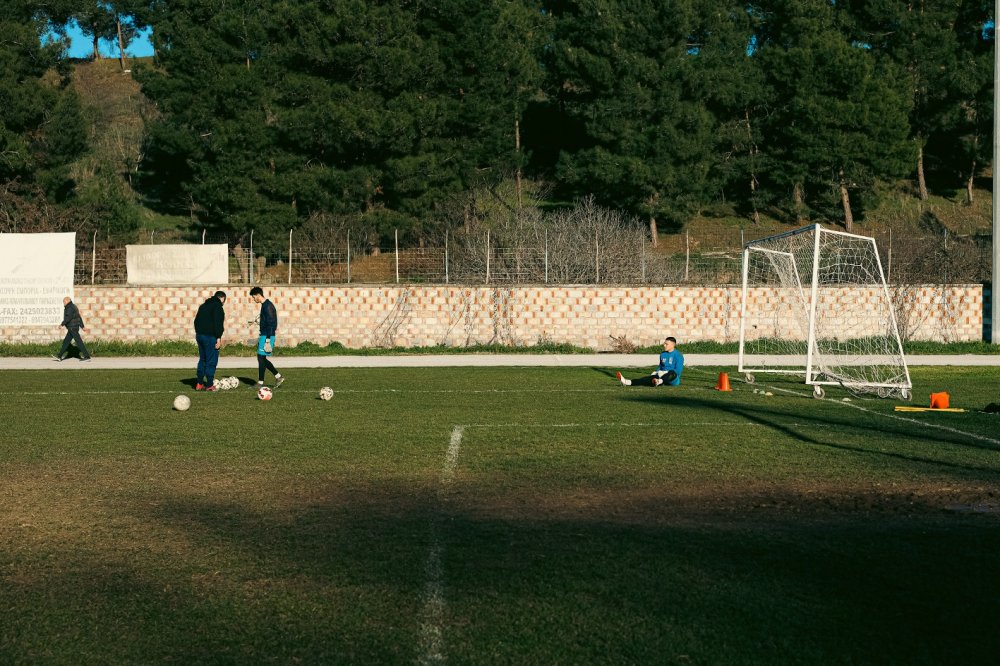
233,382
325,393
264,393
182,403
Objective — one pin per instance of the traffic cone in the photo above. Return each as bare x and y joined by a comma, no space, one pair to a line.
723,384
940,400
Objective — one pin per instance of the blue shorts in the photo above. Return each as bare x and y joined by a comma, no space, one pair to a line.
261,341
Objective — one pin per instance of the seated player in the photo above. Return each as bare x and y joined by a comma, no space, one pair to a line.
668,372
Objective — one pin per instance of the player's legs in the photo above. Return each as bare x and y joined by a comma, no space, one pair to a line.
205,342
645,380
84,353
263,365
65,344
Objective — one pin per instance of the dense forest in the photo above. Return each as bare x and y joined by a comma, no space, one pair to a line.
269,115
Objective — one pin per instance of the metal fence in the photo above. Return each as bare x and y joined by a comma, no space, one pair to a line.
927,259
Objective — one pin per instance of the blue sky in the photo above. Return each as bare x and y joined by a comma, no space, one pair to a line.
81,47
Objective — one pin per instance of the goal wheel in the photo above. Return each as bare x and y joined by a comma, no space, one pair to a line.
818,392
905,394
884,392
749,378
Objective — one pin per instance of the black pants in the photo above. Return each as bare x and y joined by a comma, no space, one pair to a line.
645,380
74,335
264,364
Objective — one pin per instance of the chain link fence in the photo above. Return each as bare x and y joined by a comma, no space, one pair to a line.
588,245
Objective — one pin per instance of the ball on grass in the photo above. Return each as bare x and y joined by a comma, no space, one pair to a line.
264,393
182,403
325,393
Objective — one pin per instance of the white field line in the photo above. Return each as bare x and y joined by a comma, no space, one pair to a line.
924,424
687,424
432,626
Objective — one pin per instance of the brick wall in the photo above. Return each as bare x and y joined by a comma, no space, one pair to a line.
412,315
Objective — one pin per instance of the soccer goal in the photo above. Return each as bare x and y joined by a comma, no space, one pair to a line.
815,302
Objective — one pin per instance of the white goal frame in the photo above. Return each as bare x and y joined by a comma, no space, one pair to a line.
815,303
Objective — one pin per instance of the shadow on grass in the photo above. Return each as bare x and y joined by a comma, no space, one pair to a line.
825,430
341,575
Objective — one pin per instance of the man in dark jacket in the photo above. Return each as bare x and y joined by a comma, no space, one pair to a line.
209,324
265,343
74,324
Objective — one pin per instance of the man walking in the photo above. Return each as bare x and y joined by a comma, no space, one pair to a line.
74,324
209,324
265,343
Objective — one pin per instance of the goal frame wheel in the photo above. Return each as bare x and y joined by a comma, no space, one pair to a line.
818,392
749,378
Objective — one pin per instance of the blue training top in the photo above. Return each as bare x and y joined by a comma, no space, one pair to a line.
673,360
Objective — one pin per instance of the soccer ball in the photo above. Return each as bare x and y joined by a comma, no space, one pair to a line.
264,393
325,393
182,403
233,382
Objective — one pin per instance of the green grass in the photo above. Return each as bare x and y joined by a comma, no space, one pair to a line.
576,521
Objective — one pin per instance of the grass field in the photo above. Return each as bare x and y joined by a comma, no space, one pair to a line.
495,515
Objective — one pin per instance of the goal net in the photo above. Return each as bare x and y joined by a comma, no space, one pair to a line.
815,302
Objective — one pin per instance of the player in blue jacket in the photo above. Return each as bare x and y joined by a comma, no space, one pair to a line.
265,343
667,372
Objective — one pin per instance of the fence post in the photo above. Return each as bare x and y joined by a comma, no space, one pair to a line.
251,256
93,258
597,258
202,237
446,256
348,256
397,255
687,253
642,250
546,256
290,256
487,256
888,272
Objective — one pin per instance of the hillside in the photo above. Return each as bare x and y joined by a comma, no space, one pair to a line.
116,111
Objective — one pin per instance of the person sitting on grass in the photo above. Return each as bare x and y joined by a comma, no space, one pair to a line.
668,372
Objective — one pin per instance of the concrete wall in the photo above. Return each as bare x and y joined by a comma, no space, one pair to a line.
418,315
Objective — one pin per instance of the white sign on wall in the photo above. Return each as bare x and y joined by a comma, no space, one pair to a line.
36,273
177,264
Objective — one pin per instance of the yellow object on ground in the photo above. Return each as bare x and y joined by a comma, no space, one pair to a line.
907,408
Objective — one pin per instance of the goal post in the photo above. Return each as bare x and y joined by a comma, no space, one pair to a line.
815,302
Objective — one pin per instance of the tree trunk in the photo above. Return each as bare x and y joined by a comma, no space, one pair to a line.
517,149
969,198
653,233
753,171
845,200
121,45
798,201
97,51
921,180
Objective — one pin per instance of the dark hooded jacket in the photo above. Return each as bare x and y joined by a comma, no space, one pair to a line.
211,318
71,317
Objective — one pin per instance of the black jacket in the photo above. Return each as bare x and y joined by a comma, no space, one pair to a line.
71,316
268,318
211,318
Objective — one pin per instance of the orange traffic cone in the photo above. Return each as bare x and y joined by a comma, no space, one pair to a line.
723,384
940,400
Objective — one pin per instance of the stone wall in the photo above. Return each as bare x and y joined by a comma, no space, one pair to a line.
419,315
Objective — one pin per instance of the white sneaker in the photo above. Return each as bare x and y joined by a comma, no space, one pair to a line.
657,381
625,382
279,380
